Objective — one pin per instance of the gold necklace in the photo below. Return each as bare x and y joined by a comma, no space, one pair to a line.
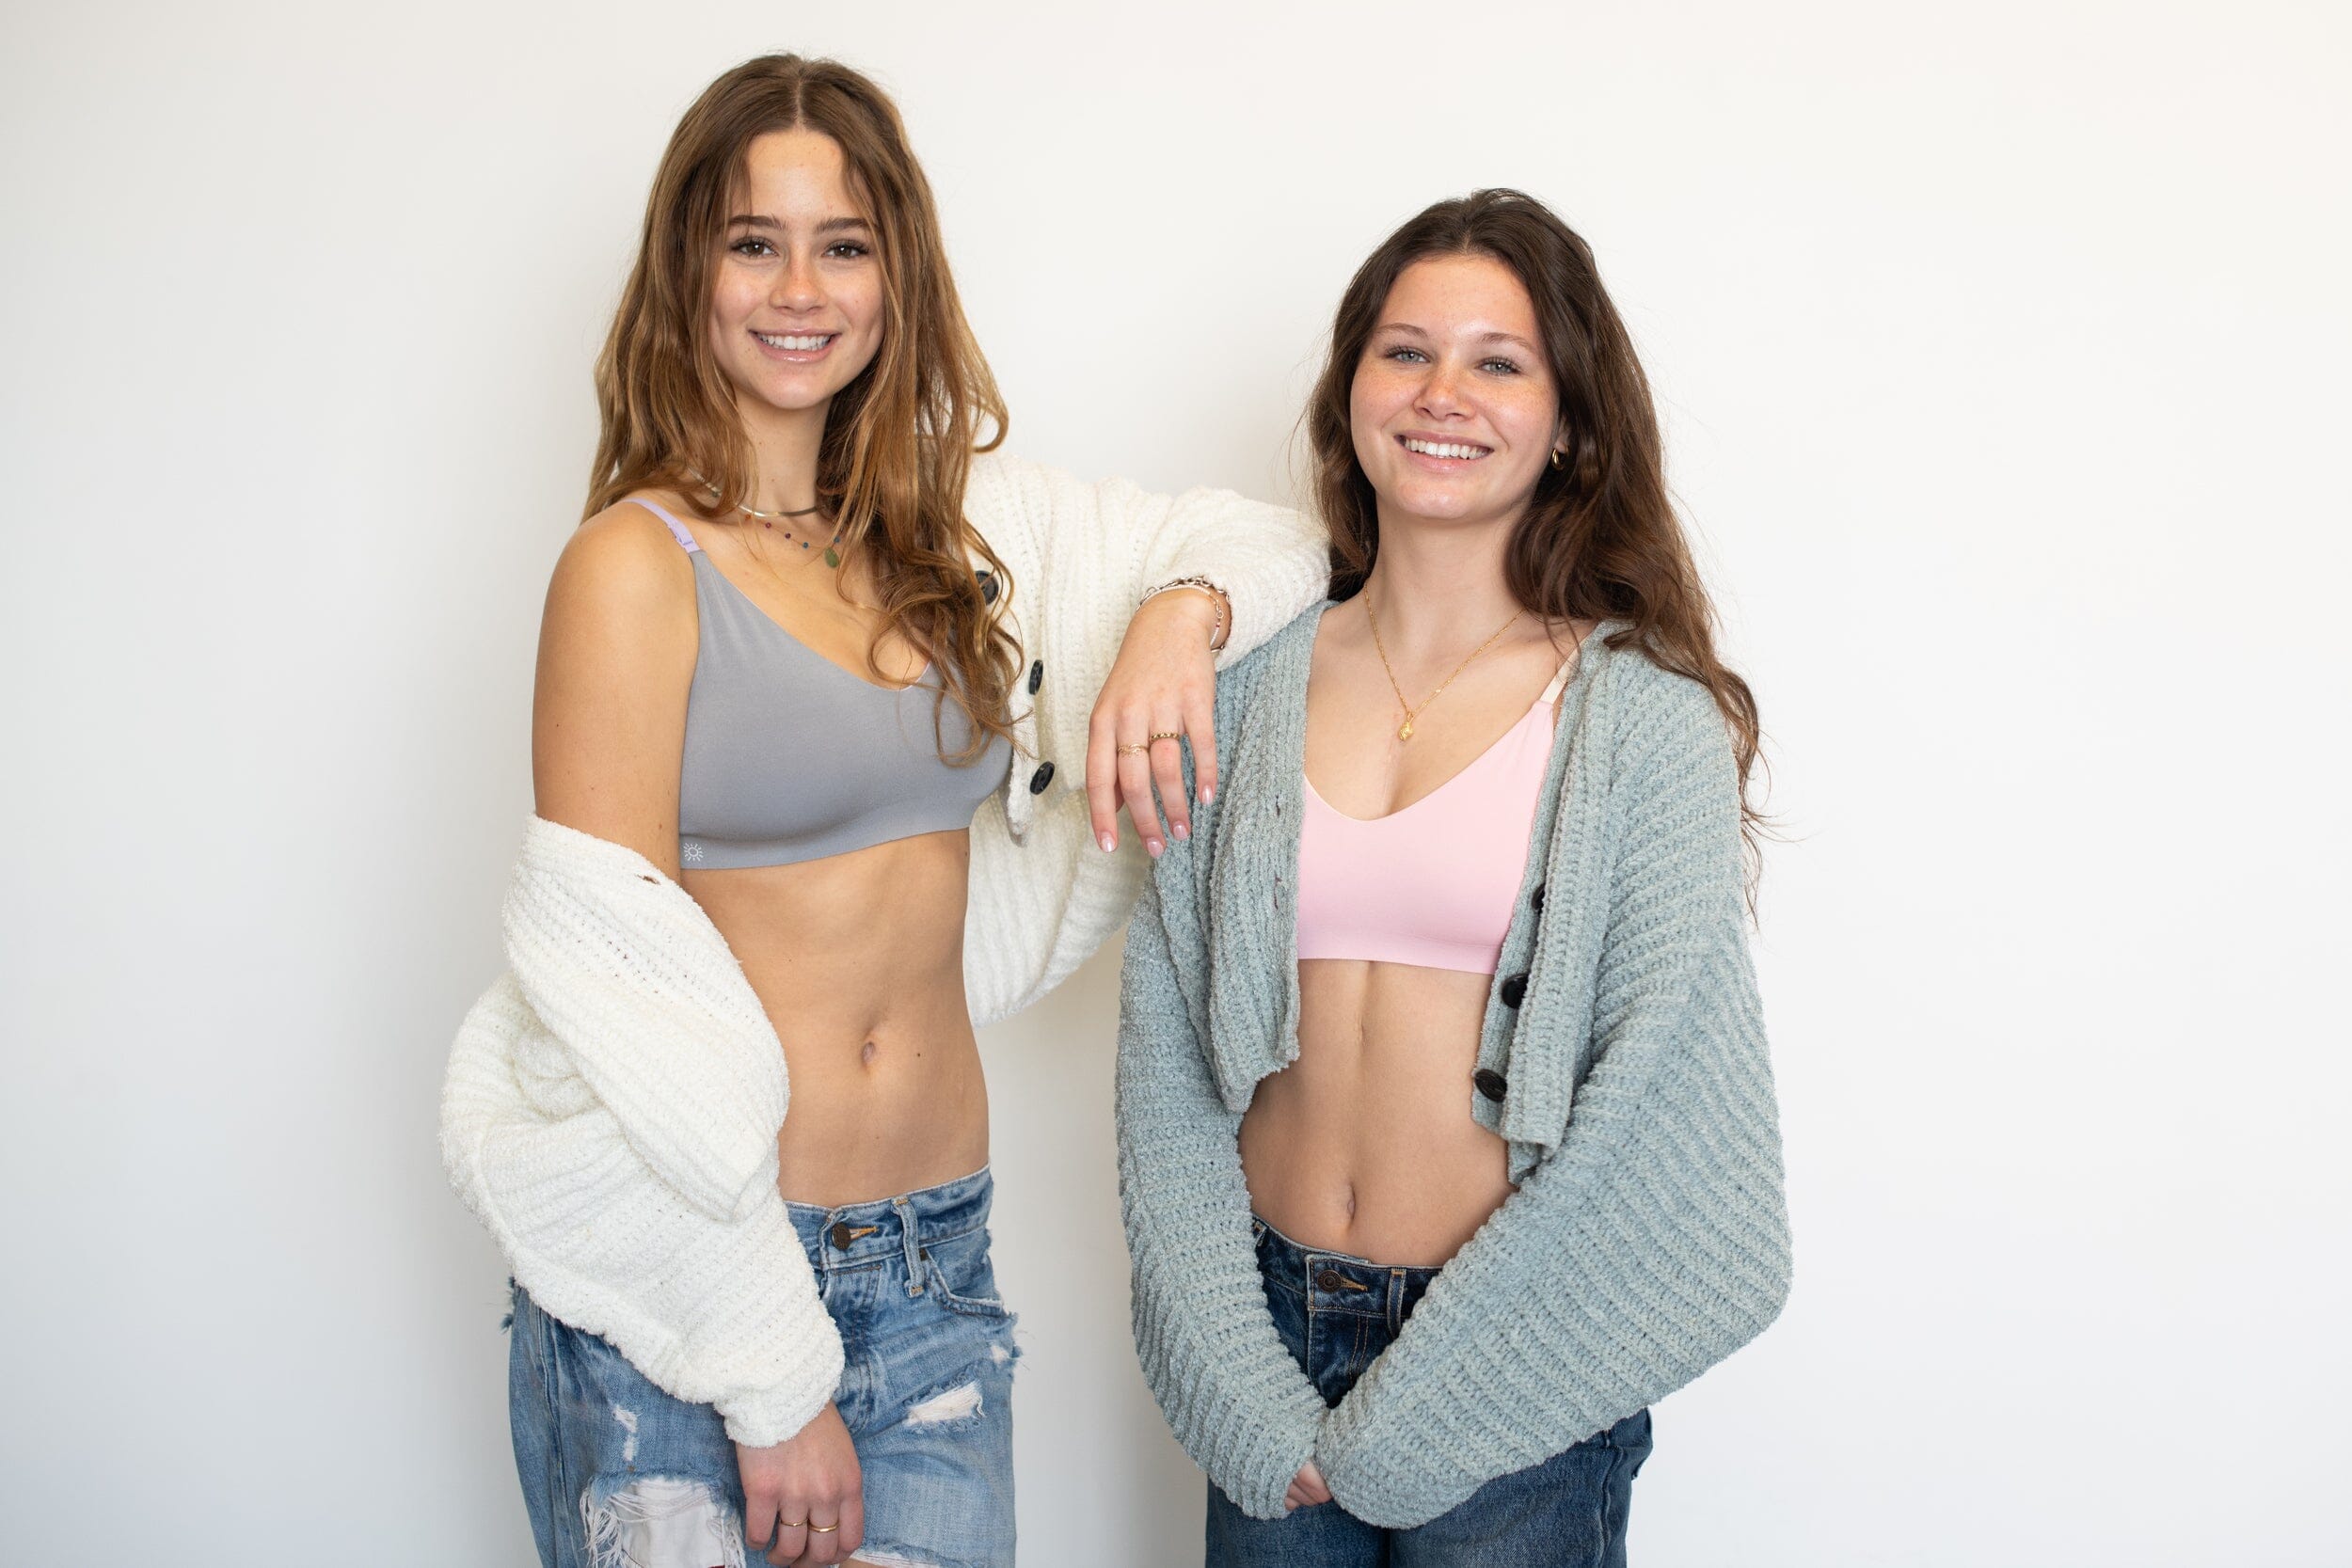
1405,730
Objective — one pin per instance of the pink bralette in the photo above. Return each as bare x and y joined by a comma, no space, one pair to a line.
1436,884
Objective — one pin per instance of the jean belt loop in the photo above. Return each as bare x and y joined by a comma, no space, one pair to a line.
912,1242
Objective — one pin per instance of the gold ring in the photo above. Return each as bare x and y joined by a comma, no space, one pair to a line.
822,1529
1139,747
791,1524
1168,735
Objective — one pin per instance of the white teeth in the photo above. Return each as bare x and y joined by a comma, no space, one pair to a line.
796,344
1443,449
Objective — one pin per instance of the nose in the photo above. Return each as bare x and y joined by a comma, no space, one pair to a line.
797,286
1441,392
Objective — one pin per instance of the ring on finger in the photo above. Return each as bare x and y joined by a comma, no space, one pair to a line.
822,1529
1135,749
1168,735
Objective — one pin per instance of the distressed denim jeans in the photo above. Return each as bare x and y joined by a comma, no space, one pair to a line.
1337,1313
618,1474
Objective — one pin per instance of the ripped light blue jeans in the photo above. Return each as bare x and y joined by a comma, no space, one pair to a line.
618,1474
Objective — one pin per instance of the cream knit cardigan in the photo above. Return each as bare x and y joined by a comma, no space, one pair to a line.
612,1102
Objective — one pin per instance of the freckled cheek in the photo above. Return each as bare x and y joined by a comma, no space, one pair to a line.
1367,413
731,306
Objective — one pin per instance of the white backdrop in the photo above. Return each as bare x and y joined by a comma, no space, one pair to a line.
2003,352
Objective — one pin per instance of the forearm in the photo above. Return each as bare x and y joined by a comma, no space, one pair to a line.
1605,1284
1231,1392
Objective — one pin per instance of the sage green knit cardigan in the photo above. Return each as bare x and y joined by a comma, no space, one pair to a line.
1649,1238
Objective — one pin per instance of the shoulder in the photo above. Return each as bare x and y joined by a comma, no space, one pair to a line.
1269,663
624,554
1001,487
1662,718
621,581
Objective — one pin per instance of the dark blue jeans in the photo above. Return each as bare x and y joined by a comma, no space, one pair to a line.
1337,1313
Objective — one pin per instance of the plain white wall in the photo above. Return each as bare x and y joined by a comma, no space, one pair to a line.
2002,349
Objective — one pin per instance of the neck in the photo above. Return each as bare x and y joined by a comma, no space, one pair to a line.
785,444
1433,586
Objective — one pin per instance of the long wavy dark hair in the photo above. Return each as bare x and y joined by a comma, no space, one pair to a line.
898,439
1600,540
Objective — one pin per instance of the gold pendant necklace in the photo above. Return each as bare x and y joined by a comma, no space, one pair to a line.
1405,730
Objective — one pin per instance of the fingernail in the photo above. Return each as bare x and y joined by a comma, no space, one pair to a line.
1207,794
1154,845
1109,843
1182,833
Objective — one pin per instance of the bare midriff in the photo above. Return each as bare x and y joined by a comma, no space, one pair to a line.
858,958
1365,1145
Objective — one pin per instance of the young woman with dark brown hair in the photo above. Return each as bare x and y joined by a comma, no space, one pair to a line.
816,678
1447,1132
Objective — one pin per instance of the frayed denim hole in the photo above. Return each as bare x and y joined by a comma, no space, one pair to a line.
660,1522
958,1407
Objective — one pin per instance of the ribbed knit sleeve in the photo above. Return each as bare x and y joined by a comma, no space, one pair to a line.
1654,1240
1233,1394
1080,554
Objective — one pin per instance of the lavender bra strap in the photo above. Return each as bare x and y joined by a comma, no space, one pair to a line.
678,529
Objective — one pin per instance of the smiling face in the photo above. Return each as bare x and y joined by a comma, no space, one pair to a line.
1453,410
796,310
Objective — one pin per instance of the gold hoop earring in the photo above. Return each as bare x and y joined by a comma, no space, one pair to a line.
1559,458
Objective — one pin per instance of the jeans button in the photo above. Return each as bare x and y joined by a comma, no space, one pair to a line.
1329,1280
840,1234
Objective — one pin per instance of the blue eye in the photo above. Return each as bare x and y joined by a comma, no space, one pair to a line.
1503,365
1405,354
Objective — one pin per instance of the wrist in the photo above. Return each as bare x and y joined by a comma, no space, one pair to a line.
1197,599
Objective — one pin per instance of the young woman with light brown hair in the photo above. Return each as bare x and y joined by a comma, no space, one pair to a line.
816,679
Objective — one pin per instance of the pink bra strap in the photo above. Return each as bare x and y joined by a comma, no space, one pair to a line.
678,529
1559,684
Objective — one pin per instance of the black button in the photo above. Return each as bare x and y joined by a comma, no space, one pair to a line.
1538,900
1513,988
1038,780
841,1237
988,586
1036,676
1490,1084
1329,1280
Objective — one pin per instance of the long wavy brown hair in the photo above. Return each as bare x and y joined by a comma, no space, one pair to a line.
1600,540
898,439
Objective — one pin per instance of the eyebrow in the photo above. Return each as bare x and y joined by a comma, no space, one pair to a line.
831,225
1483,337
